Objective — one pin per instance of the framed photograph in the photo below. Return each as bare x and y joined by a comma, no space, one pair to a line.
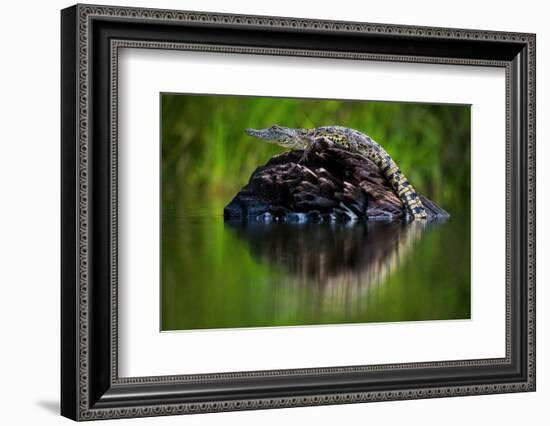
263,212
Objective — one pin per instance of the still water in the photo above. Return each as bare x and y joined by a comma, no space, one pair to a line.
227,275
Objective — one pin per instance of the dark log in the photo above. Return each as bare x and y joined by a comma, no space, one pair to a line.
332,184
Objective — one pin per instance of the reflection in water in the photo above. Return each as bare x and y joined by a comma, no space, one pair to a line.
217,274
343,261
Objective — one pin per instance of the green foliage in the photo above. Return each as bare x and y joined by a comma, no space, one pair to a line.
204,146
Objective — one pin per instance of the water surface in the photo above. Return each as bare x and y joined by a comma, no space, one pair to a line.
228,275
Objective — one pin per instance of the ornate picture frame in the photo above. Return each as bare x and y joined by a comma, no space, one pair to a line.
91,38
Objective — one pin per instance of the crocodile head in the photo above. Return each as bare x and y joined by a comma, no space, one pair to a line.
279,135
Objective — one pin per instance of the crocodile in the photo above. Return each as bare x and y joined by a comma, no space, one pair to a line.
353,141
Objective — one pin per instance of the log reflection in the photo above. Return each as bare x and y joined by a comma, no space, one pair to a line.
342,261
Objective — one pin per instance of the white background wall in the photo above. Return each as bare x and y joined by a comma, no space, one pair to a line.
29,211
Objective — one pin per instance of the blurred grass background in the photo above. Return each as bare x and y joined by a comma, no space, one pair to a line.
204,144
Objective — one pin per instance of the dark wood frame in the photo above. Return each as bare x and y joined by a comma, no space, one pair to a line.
91,37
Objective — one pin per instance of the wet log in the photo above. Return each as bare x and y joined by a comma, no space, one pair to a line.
331,185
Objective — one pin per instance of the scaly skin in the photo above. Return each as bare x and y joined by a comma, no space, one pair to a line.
353,141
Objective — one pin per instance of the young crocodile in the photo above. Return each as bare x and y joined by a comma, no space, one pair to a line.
353,141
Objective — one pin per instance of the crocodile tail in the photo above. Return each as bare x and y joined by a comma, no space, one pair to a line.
402,187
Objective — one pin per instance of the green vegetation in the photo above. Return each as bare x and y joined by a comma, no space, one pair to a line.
204,144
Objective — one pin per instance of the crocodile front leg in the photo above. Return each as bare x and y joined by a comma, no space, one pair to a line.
309,142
